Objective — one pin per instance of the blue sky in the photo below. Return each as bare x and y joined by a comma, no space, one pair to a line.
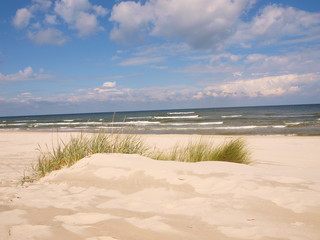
70,56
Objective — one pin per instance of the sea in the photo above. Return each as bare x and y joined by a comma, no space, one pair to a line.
262,120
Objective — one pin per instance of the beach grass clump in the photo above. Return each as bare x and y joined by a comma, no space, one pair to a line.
67,154
231,151
129,144
64,154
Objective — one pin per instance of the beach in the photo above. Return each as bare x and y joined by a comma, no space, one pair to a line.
123,196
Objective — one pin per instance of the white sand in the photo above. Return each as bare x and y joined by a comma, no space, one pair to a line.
116,196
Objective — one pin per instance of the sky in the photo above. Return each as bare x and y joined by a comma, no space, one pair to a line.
79,56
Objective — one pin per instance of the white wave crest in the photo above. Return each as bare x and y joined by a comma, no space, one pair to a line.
231,116
241,127
142,117
193,124
177,117
293,123
135,123
179,113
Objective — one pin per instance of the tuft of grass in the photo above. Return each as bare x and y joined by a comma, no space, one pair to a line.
67,154
231,151
64,155
129,144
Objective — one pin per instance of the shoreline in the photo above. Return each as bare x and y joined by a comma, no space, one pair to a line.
278,196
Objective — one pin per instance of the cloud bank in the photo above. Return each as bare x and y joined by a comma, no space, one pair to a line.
261,87
210,24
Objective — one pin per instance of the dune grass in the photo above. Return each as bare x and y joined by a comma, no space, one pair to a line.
231,151
67,154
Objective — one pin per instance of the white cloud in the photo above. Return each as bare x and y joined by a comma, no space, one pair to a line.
51,19
22,18
261,87
164,49
113,77
48,36
69,9
301,60
26,94
212,24
111,91
26,74
159,67
132,19
23,15
87,24
276,23
297,60
109,84
40,5
108,89
80,15
149,94
202,24
99,10
135,61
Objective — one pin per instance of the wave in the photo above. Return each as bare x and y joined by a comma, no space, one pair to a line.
210,128
231,116
288,115
249,127
179,129
82,127
25,121
279,126
210,123
241,127
293,123
96,123
105,127
13,124
192,124
177,117
79,124
146,117
66,123
179,113
135,123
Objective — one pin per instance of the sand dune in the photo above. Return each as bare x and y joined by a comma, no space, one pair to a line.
118,196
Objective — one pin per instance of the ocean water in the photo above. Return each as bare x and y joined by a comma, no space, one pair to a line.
266,120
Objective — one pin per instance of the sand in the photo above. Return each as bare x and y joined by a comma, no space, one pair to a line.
124,197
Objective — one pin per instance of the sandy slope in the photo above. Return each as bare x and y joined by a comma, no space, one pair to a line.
116,196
